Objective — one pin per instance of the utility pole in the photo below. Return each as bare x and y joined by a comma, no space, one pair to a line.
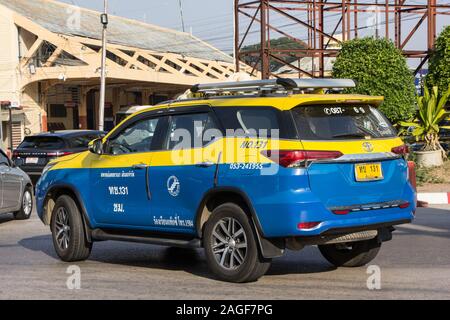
101,109
377,22
236,35
181,14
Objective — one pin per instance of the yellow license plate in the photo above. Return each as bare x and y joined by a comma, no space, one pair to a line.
368,172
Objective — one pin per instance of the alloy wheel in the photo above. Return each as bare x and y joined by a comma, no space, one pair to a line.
27,203
229,243
62,228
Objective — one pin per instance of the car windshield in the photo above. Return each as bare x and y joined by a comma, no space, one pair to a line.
330,122
48,143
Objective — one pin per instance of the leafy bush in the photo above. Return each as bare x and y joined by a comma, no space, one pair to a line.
378,69
439,66
427,124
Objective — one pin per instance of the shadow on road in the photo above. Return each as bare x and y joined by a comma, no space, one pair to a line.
429,222
40,243
4,218
191,261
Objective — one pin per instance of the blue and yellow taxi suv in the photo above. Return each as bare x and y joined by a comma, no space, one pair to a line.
244,170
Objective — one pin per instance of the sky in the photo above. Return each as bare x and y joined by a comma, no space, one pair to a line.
212,20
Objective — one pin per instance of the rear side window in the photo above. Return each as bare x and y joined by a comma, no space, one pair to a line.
49,143
83,141
250,121
333,122
191,127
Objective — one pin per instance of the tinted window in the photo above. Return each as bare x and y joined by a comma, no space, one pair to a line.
82,141
189,130
135,138
330,122
250,121
49,143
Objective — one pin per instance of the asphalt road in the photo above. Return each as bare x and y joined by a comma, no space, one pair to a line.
414,265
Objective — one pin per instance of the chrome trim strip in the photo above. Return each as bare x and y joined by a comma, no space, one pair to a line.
362,157
369,206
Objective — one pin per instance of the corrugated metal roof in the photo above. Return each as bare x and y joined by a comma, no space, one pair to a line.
61,18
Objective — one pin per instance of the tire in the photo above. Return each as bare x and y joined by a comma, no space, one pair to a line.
352,254
243,261
26,207
68,232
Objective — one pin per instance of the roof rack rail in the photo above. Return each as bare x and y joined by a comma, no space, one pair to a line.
287,84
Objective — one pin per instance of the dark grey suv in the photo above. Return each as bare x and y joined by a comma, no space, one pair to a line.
33,154
16,191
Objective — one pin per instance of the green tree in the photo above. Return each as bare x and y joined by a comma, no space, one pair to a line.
378,69
279,43
439,66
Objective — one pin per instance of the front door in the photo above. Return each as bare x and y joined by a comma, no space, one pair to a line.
119,177
182,173
11,184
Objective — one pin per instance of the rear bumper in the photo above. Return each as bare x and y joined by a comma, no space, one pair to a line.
281,219
32,170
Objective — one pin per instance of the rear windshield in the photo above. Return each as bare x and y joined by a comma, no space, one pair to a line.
49,143
82,141
330,122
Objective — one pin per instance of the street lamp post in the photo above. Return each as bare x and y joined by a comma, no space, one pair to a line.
101,110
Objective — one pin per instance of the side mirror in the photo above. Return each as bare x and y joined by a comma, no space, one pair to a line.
96,146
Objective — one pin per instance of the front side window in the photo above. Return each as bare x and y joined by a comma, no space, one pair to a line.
137,137
334,122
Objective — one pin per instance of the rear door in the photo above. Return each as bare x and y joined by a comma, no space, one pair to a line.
182,173
366,171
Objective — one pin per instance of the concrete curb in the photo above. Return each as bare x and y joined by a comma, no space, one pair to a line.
434,197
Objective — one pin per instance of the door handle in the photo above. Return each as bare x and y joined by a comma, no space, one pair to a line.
205,164
143,166
139,166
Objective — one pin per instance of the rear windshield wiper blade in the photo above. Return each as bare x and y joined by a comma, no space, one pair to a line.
350,135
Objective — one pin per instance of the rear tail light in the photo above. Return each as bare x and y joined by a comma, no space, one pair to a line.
15,154
345,211
58,154
403,149
307,225
404,205
297,158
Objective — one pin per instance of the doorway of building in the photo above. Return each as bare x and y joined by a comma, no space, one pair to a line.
90,106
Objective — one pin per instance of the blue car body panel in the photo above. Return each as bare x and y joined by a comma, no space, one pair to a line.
280,201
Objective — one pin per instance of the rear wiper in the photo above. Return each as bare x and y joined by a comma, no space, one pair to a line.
350,135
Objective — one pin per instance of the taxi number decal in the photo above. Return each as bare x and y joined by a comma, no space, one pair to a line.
118,190
118,208
254,144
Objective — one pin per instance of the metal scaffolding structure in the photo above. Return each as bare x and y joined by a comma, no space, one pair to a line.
320,26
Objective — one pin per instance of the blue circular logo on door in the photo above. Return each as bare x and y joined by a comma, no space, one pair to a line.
173,186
